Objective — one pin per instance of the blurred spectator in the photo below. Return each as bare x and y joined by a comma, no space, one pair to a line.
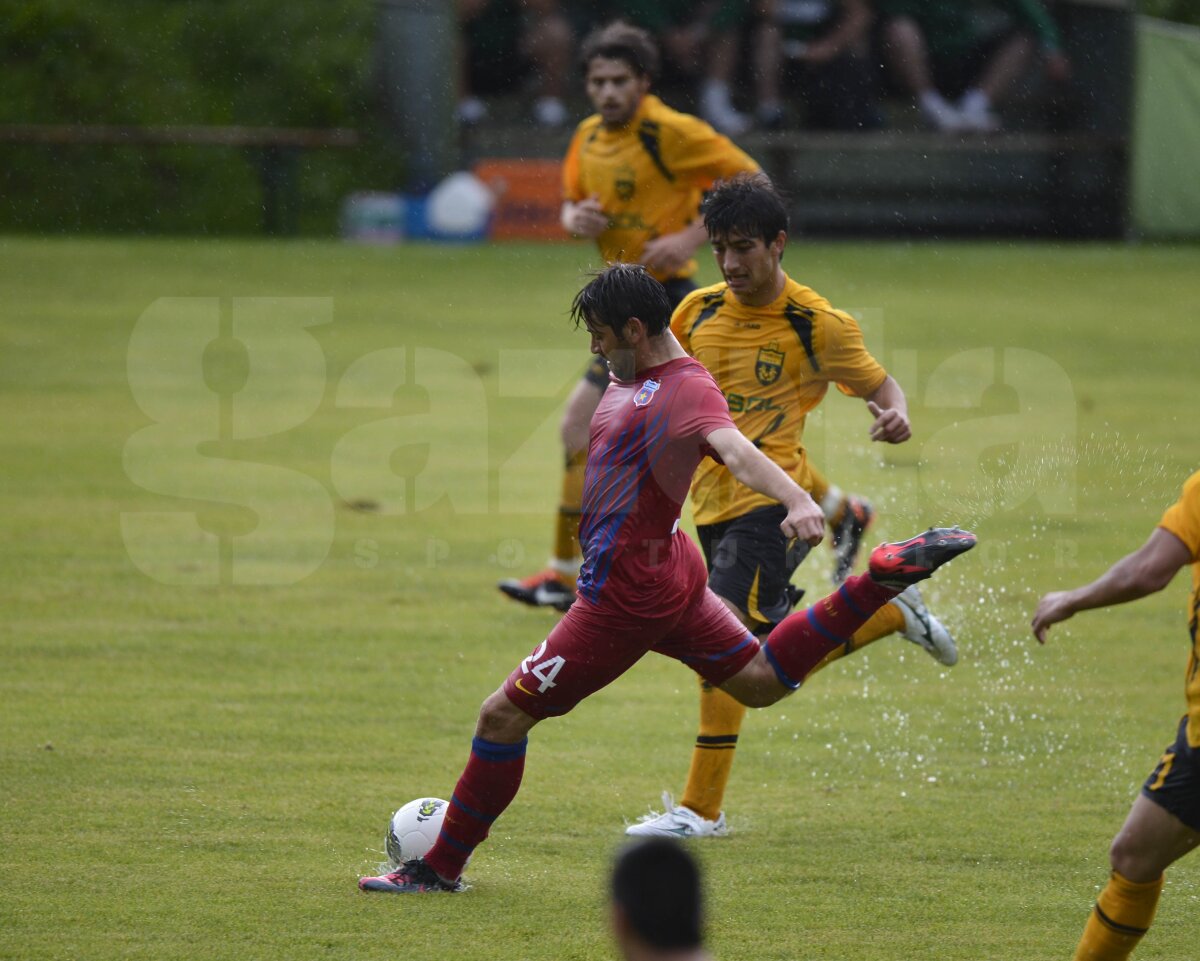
698,39
657,903
825,46
505,42
957,63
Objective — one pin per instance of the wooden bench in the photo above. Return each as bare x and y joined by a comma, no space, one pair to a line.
275,150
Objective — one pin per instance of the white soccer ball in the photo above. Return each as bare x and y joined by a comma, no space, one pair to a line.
414,828
459,206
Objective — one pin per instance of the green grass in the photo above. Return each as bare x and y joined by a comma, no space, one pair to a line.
204,727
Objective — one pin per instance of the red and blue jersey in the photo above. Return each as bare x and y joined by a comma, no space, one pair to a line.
647,438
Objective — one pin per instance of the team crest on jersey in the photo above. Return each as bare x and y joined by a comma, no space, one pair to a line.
646,393
625,182
769,365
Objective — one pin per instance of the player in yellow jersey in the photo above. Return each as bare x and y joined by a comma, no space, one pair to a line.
633,179
773,346
1164,823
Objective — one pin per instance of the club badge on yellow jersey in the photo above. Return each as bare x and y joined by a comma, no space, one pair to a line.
769,365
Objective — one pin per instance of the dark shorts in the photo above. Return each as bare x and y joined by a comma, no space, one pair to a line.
1174,785
750,562
596,373
593,645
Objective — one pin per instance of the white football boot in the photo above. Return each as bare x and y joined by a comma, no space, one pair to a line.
677,822
923,629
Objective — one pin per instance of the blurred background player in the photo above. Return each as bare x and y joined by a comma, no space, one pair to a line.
959,65
633,179
1164,823
773,346
511,41
822,48
658,903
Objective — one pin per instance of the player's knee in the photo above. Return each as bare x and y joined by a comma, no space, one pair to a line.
502,721
1126,858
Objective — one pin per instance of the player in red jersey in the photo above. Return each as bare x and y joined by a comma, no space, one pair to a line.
643,586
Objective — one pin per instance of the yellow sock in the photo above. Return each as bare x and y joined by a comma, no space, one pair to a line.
567,553
1121,915
712,758
887,620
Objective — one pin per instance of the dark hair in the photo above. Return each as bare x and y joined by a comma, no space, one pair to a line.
748,204
621,291
656,883
622,41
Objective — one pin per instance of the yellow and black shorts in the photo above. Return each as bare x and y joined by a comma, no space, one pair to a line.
1174,785
750,562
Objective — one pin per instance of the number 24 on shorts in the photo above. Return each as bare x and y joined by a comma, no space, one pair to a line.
545,671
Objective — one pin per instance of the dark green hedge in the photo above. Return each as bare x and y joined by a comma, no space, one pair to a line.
301,63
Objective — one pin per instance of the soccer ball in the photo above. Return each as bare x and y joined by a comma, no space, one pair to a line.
414,828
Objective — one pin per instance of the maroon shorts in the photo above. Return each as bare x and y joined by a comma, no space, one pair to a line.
593,645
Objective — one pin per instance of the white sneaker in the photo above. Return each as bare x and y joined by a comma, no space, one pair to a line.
976,114
717,108
677,822
940,115
924,629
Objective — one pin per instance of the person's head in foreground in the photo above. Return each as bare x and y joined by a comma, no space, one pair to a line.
657,902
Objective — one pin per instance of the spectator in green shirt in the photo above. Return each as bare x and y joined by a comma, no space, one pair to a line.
958,70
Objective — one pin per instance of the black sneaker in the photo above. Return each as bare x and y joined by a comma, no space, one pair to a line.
847,535
414,877
543,589
918,557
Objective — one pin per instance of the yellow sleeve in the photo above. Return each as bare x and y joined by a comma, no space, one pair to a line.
681,322
700,155
1183,517
846,360
572,186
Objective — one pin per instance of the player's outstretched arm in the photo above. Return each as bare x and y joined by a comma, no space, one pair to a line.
757,471
1146,571
889,407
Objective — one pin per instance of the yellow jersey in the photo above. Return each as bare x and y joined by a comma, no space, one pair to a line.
649,175
773,364
1183,520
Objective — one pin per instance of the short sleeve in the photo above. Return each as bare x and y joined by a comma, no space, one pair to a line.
1183,517
572,187
846,360
695,151
699,408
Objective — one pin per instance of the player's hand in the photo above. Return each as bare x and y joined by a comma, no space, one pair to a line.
804,522
1052,608
667,254
891,425
585,218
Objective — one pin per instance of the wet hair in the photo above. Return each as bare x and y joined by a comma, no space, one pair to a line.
621,291
656,884
748,204
622,41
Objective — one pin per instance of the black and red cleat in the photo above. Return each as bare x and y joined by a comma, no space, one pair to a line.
414,877
918,557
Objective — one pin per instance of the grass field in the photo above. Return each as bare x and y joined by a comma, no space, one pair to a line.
255,500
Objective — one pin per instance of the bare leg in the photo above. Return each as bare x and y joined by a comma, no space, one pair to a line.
1150,839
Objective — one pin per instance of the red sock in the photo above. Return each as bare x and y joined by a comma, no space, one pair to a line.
801,641
486,787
